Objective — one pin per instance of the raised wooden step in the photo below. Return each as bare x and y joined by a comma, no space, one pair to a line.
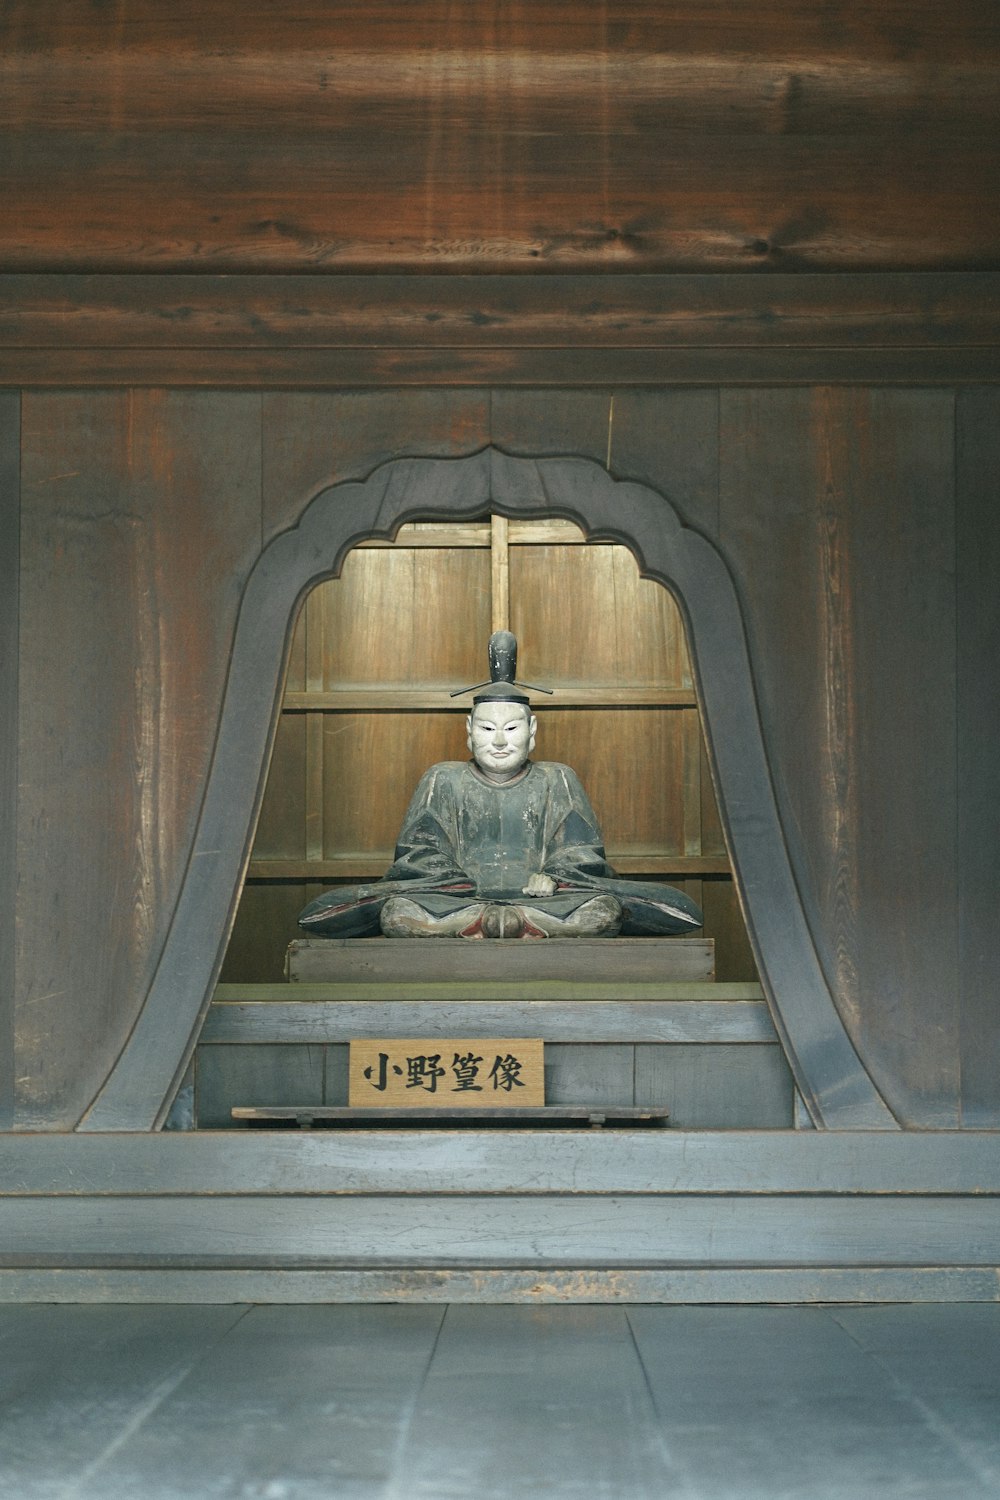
501,1216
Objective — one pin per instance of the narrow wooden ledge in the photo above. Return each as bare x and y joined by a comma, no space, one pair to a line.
441,1116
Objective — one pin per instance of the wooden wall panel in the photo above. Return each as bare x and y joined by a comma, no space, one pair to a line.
10,559
837,521
281,826
144,518
667,438
639,137
312,439
360,814
588,1074
635,777
716,1088
978,687
547,423
336,1081
369,614
837,515
713,839
718,898
584,615
226,1077
266,922
670,440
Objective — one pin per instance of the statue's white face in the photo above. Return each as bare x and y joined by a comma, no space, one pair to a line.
501,737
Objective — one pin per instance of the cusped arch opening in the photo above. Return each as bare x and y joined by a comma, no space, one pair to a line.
828,1073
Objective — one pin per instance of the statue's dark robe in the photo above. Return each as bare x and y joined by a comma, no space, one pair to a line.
467,839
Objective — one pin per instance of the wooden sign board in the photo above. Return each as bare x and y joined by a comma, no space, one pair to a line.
450,1072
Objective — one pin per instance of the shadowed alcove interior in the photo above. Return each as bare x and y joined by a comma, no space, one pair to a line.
366,709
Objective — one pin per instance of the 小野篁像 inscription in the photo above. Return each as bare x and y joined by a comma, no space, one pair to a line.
450,1072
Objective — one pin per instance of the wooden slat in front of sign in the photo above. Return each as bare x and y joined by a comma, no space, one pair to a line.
491,1072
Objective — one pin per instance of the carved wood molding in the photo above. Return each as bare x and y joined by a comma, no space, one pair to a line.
828,1072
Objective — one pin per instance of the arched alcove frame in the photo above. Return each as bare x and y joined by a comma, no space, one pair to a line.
834,1085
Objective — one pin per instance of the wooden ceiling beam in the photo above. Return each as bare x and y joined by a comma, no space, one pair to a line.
641,136
330,331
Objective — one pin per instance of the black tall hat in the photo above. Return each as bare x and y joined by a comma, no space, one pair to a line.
501,687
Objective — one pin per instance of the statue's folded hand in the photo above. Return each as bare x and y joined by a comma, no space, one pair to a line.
539,885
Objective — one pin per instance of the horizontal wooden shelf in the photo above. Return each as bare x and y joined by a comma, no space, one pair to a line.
364,699
371,865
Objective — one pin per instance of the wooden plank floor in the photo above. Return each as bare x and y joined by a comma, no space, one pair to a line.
601,1402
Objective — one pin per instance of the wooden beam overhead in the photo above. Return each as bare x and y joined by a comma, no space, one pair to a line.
420,136
580,330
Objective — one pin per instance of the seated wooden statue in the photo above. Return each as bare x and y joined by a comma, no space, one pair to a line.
501,847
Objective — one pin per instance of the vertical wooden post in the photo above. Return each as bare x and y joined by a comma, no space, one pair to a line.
500,572
315,682
691,730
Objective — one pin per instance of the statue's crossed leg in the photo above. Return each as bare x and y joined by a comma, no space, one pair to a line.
601,916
